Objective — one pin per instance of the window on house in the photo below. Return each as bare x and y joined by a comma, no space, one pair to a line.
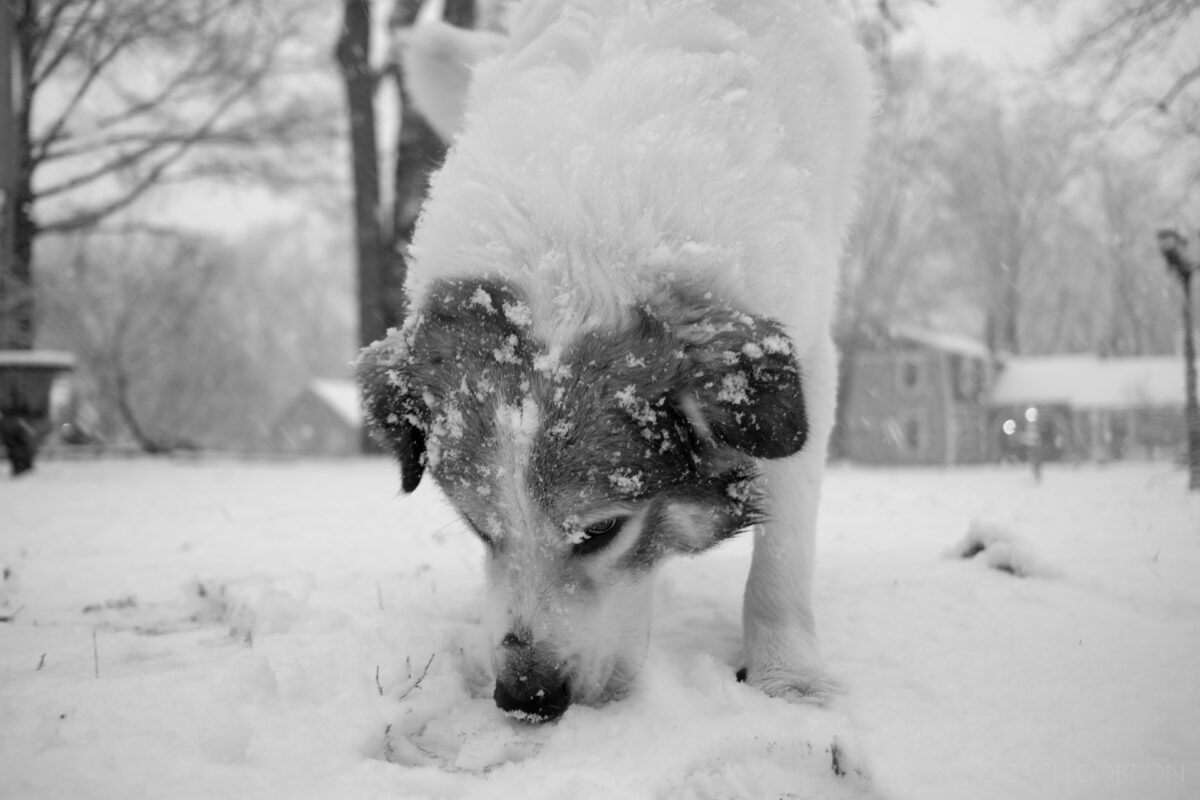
911,375
908,432
912,434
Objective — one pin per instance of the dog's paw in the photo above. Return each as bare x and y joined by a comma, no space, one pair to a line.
812,687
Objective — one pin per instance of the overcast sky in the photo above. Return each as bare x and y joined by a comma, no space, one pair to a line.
988,29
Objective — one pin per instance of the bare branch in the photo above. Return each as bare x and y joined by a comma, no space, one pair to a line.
1109,44
119,163
178,146
96,65
65,47
416,684
141,186
137,228
170,91
1178,87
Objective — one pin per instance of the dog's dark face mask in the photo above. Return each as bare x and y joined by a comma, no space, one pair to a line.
582,464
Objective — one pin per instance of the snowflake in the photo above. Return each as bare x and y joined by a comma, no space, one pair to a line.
734,389
518,314
627,482
482,298
777,343
508,353
636,407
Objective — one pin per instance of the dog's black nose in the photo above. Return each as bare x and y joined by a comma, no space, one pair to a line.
533,700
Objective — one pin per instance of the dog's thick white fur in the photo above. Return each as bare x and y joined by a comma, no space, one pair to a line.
634,239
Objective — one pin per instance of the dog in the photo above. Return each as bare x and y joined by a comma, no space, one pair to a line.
621,288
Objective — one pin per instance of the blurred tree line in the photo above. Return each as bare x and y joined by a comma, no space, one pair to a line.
1006,216
189,341
1021,212
116,111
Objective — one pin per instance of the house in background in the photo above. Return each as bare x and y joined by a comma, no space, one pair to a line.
1091,408
919,398
326,419
939,399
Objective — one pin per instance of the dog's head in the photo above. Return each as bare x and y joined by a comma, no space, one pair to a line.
581,466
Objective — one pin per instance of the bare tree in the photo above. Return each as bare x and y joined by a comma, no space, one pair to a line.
1007,169
113,99
186,341
1142,320
130,310
1097,283
1143,61
1139,60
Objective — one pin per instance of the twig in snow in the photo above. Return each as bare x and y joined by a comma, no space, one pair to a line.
389,749
95,655
41,663
13,615
378,685
417,684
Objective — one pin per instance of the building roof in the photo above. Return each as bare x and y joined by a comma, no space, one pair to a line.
341,397
1088,381
940,340
45,359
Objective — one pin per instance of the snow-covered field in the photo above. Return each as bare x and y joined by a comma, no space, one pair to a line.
230,629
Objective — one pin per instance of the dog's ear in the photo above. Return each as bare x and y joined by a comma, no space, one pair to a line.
744,388
394,413
438,61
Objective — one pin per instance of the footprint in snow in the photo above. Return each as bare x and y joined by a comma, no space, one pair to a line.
1002,550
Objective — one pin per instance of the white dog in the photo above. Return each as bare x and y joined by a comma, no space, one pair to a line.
619,346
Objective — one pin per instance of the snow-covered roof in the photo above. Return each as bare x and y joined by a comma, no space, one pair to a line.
1088,381
341,396
50,359
941,340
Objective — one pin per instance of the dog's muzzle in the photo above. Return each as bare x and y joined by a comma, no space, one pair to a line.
530,684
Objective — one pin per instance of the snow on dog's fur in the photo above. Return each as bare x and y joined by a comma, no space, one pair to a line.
619,348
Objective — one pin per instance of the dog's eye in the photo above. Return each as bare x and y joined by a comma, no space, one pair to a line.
599,535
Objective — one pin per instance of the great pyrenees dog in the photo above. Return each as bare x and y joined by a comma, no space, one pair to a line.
618,346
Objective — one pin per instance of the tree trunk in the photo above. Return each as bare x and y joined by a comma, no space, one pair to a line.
1000,327
1011,312
1192,406
8,170
17,228
353,56
148,443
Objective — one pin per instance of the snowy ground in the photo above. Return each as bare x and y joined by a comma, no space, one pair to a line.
222,629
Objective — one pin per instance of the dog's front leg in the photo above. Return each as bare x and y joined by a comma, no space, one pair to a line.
779,632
